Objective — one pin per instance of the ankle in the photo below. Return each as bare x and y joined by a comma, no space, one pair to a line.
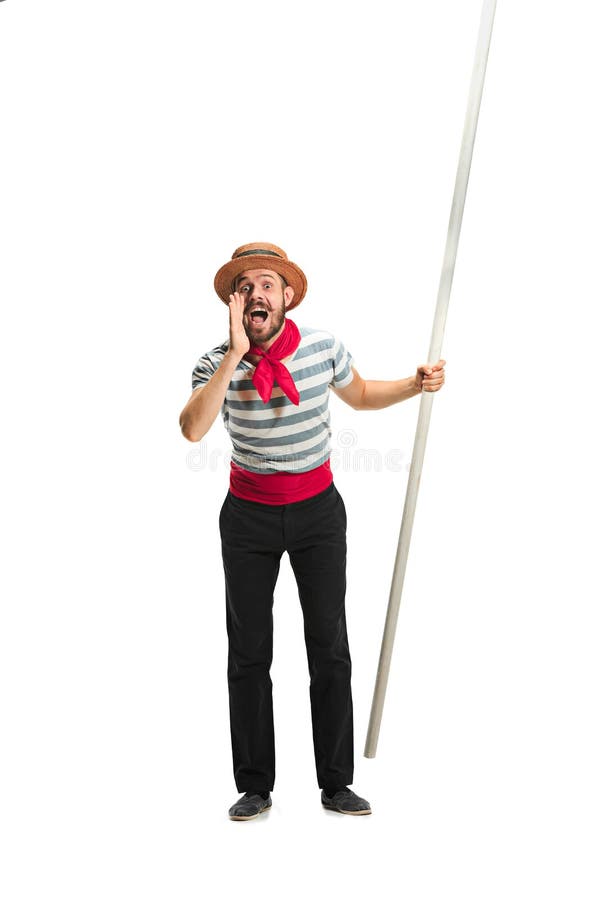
263,794
330,790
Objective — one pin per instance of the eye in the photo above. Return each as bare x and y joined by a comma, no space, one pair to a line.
244,289
268,284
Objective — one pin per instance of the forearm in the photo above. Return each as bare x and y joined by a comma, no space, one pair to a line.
379,394
203,406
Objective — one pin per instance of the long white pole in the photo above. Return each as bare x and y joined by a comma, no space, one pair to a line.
435,349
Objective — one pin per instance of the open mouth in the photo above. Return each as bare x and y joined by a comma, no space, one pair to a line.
258,316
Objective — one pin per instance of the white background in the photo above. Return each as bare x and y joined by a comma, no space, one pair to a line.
141,142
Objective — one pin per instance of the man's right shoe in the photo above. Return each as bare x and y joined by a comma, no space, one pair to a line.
249,806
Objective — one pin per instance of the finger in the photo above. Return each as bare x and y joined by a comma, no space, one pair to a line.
427,368
434,377
236,304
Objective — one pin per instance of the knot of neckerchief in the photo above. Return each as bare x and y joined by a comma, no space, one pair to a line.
270,369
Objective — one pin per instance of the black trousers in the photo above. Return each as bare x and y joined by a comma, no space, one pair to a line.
254,537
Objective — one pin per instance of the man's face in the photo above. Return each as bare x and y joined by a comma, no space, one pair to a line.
265,303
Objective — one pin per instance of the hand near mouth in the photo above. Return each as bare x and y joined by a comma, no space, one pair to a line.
239,343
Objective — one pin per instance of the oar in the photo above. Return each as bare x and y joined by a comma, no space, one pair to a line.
435,349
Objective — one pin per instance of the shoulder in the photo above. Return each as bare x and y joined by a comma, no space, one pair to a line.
319,338
214,356
328,345
207,365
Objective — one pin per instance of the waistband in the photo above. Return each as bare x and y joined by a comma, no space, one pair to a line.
279,488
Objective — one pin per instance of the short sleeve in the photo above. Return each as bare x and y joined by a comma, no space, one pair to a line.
342,366
206,367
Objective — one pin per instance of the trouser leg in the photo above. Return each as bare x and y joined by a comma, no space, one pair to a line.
316,543
251,550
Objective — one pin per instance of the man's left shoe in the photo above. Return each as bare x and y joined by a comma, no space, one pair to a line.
346,801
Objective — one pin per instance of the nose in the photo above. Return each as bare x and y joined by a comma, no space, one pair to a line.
255,294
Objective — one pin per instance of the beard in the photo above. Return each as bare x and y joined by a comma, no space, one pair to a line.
277,316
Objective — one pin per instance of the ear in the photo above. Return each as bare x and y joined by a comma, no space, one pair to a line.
288,294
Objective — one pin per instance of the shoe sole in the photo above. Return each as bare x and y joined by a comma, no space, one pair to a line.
247,818
348,812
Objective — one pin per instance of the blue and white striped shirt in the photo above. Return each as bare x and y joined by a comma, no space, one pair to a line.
278,436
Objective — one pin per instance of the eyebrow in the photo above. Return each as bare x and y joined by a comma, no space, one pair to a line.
245,277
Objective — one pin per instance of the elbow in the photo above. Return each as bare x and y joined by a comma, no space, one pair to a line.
189,433
361,401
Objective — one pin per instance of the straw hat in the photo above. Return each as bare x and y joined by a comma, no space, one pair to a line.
259,256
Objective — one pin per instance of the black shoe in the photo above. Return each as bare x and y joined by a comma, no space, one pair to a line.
249,806
346,801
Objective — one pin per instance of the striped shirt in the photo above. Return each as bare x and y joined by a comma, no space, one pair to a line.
278,436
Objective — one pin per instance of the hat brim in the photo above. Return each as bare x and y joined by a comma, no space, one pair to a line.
292,273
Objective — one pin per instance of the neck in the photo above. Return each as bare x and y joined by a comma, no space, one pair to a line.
271,341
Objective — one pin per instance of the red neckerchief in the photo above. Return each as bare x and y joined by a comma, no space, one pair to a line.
270,369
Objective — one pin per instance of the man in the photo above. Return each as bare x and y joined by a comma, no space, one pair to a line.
271,382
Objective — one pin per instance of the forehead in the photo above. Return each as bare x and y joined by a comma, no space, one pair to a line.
252,274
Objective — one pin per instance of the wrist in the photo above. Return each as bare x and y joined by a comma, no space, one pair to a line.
233,357
413,385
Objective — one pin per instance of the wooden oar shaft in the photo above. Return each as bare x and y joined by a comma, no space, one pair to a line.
435,349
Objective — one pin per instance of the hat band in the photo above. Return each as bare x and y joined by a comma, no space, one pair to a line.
256,252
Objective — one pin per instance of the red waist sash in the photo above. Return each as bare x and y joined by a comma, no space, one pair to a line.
279,487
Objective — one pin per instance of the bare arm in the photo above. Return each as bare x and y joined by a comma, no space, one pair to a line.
202,408
362,394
